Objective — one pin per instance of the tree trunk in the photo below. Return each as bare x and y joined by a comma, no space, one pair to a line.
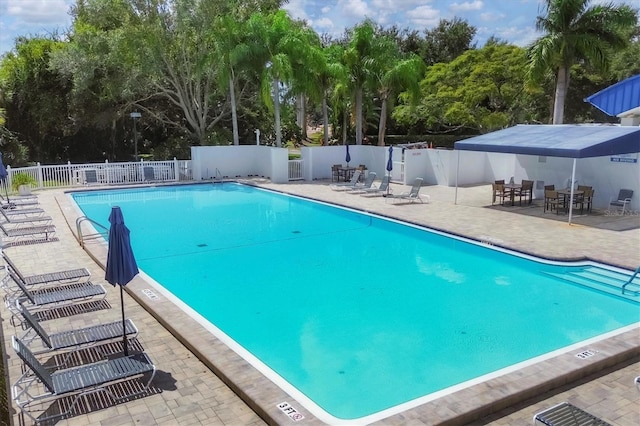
344,126
561,92
276,111
325,121
301,117
359,116
234,114
382,127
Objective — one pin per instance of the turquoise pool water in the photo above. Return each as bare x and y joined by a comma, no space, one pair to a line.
358,313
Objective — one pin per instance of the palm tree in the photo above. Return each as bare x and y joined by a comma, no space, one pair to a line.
363,57
397,74
576,33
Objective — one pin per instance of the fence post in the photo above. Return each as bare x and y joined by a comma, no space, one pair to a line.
40,180
176,170
106,170
70,174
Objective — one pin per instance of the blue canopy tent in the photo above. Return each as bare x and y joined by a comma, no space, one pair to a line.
619,100
565,140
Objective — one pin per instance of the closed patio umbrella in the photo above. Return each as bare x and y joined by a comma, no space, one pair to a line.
348,156
121,263
3,178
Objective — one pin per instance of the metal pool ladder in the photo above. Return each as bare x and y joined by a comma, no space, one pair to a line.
81,236
635,293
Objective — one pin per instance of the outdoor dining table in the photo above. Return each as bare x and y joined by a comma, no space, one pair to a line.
512,188
346,173
566,194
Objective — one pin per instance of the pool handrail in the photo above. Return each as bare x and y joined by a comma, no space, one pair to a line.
634,293
81,237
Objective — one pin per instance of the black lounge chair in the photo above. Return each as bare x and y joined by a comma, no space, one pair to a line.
53,295
44,231
566,414
66,276
17,211
22,218
76,382
75,338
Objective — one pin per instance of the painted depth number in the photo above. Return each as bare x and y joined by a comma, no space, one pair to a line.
293,414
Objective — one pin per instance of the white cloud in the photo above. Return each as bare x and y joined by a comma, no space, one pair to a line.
491,16
44,12
296,9
466,6
323,23
355,8
424,16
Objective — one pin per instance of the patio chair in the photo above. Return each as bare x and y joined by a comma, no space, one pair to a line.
74,338
624,199
380,190
149,173
64,276
551,200
53,295
566,414
39,386
585,198
499,192
358,188
347,185
526,191
412,195
90,176
549,187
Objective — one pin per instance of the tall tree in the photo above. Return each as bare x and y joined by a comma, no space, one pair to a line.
364,56
577,33
283,47
447,41
398,72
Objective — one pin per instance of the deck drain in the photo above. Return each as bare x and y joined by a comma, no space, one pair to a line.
201,245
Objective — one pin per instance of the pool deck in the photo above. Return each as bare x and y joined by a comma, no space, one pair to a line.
187,392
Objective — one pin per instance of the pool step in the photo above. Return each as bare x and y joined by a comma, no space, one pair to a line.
603,280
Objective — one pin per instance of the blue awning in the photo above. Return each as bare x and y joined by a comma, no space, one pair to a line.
619,98
564,140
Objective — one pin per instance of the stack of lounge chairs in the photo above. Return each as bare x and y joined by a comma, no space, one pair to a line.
63,367
23,222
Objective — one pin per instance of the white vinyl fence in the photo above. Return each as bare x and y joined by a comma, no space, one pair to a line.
69,175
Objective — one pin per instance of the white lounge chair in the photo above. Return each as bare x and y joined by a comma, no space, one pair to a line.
382,189
359,188
412,195
351,184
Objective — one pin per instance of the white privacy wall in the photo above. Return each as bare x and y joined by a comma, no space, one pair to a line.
434,166
210,162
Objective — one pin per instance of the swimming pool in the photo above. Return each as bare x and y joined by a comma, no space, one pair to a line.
343,305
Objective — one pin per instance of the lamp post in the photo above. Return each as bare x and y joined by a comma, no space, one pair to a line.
135,115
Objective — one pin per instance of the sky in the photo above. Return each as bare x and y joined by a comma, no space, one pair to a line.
510,20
